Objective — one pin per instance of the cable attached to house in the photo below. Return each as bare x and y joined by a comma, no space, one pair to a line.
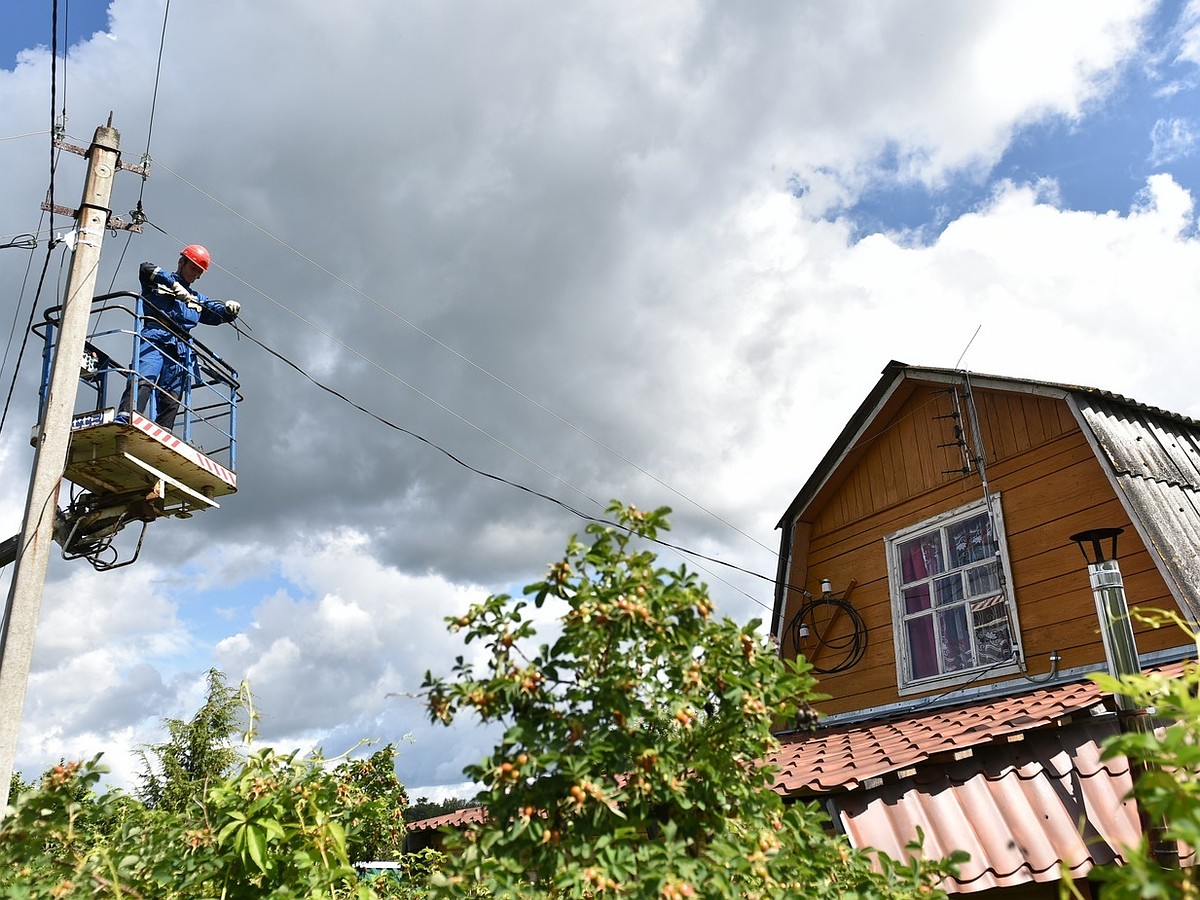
805,624
1055,659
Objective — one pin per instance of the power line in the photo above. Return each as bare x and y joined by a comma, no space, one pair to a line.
50,247
138,213
162,43
394,376
440,405
496,378
491,475
28,328
54,60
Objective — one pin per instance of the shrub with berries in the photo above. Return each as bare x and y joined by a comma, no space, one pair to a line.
631,761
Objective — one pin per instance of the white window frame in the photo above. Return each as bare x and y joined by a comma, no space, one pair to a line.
905,682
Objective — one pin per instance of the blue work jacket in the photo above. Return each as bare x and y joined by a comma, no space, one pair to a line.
161,303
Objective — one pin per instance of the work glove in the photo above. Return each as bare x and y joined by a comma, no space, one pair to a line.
232,308
180,291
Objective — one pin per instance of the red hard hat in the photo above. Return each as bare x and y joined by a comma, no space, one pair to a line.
197,254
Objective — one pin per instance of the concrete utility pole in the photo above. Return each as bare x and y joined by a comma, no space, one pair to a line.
50,454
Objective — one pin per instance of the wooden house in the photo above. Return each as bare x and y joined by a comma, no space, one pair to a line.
927,569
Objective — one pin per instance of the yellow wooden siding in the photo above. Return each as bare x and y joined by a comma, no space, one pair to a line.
1051,486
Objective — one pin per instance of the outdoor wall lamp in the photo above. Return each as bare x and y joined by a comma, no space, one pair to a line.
1112,608
1096,538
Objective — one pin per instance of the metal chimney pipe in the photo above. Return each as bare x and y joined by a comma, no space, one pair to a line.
1116,630
1112,608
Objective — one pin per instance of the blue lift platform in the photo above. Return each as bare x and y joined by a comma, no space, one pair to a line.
125,467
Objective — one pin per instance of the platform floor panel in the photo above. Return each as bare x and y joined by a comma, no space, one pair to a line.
98,460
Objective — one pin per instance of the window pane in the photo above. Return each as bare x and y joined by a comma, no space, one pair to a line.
916,598
970,540
922,647
949,589
951,606
993,636
956,640
983,579
921,557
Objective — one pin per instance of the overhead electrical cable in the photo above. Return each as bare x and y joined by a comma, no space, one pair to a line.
26,240
138,213
162,43
50,246
12,384
13,137
694,554
62,124
395,377
53,93
491,475
469,361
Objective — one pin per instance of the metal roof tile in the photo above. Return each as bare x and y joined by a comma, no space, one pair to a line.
1017,817
1155,460
467,816
844,756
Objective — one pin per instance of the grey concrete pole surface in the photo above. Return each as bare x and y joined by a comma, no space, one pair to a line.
50,453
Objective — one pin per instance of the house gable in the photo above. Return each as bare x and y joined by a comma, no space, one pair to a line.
907,456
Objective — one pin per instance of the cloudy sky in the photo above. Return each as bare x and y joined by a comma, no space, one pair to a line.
658,252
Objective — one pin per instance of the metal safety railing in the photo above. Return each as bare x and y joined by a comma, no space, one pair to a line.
109,378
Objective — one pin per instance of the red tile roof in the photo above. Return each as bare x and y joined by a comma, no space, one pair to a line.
844,757
456,819
1017,782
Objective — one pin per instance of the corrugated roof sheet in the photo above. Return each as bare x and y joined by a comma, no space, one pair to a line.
1021,810
1017,782
1145,443
1155,461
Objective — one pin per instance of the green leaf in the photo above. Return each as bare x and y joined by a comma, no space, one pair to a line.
256,843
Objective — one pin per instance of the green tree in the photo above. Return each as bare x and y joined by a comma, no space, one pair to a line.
632,757
16,786
371,789
271,825
197,753
277,827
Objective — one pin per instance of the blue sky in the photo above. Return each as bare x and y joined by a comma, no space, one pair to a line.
1097,162
655,252
29,23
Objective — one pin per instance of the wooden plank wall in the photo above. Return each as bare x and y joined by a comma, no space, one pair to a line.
1051,486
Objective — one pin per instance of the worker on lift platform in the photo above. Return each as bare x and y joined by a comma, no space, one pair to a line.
165,360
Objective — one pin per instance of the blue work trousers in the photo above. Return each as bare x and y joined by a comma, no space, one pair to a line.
162,376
